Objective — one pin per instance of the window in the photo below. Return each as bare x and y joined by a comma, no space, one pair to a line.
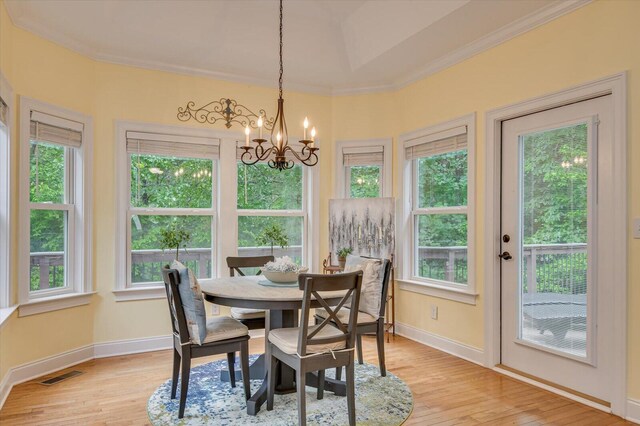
439,205
6,96
272,211
55,170
363,168
170,184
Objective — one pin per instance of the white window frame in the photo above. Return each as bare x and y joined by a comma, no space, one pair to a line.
6,220
343,173
79,240
406,221
123,289
309,210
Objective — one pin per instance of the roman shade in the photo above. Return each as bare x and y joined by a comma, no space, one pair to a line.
363,156
60,131
437,143
172,145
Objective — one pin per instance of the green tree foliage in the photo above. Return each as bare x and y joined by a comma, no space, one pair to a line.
273,235
365,181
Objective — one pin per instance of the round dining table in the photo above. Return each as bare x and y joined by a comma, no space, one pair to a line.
281,303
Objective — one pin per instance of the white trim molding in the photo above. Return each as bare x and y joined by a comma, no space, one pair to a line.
633,410
616,86
405,217
438,291
79,205
7,173
386,168
452,347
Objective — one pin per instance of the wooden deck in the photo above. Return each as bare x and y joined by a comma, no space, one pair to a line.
446,389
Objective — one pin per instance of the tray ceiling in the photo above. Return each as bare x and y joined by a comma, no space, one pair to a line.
331,47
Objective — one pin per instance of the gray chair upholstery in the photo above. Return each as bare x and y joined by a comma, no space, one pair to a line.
224,335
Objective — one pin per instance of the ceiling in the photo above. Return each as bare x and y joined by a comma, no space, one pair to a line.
330,46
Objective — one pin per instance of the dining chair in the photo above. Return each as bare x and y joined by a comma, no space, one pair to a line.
224,335
367,323
252,318
329,344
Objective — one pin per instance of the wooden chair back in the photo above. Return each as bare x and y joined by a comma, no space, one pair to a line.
236,263
386,281
171,279
313,286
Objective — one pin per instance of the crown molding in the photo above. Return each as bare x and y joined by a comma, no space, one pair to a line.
487,42
494,39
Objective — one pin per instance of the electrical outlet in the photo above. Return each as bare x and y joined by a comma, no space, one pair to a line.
434,312
636,227
215,310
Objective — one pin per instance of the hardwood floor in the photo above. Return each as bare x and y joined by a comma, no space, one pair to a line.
446,389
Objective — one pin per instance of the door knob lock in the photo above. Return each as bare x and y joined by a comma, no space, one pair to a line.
505,256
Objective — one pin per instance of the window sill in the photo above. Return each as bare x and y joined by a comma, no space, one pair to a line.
141,293
5,314
438,291
54,303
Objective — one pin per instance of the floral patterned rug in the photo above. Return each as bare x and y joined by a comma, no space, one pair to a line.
379,401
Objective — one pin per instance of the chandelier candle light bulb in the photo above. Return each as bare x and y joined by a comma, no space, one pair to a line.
276,155
247,132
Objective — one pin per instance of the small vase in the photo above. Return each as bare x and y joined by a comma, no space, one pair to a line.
342,261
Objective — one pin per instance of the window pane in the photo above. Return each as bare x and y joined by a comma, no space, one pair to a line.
554,192
442,180
171,182
148,257
264,188
365,181
255,236
442,247
46,173
48,257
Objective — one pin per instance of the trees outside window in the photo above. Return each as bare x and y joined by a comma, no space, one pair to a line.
268,199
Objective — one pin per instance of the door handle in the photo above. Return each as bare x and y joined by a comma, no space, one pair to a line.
505,256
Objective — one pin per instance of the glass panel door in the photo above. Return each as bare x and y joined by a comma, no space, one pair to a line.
554,193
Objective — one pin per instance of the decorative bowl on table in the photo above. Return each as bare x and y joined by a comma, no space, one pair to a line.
282,270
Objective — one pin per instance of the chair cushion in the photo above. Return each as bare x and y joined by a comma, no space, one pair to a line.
372,277
343,316
247,313
223,328
287,339
192,303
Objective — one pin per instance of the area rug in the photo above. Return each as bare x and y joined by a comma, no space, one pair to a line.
383,401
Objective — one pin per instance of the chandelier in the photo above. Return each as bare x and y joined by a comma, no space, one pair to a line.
279,154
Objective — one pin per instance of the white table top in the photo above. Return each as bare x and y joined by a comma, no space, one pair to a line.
245,292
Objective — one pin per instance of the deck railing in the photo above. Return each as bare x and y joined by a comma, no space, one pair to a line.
558,268
47,268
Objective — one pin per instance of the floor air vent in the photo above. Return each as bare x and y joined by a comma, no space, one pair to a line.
58,379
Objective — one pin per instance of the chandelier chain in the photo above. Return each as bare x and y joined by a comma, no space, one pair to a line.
281,67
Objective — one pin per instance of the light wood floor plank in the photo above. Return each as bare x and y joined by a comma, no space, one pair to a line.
447,391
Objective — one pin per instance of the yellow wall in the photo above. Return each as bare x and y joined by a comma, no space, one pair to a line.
595,41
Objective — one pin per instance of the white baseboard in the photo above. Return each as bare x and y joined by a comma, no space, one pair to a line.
41,367
132,346
633,410
443,344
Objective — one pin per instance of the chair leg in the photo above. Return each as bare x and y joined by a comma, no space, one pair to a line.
320,384
244,367
380,341
272,365
339,373
231,362
301,381
359,348
184,381
176,373
351,392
